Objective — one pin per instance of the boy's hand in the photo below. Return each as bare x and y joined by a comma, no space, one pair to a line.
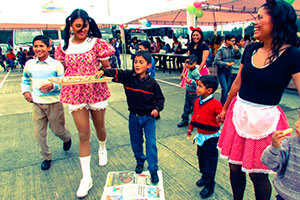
28,97
277,137
46,88
189,134
154,113
99,74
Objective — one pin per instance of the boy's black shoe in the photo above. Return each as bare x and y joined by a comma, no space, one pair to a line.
139,168
67,145
182,124
154,178
207,191
46,164
200,182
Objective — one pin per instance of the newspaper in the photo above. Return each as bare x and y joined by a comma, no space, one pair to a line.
127,185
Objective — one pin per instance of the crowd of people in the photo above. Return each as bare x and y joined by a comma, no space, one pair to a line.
10,60
252,137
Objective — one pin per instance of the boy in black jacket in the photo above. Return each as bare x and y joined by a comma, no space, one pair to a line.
145,100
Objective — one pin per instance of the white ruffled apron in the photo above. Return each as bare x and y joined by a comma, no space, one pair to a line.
254,121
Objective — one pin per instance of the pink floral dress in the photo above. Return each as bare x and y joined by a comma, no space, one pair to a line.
80,64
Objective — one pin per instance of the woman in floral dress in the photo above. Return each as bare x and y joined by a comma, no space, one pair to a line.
81,53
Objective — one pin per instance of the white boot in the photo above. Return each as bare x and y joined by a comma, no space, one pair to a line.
86,183
102,153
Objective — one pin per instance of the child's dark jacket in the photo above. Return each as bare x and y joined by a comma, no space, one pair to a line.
143,94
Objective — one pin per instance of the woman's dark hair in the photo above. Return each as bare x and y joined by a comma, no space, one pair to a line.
201,40
79,13
284,31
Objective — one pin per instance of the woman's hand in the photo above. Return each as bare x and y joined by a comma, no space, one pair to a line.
99,74
221,117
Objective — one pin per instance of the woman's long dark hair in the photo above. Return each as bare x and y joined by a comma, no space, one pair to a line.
192,43
79,13
284,31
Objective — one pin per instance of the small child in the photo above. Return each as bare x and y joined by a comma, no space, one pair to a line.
191,86
145,100
283,157
45,97
145,46
206,109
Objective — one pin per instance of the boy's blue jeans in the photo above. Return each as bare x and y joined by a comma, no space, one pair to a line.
138,125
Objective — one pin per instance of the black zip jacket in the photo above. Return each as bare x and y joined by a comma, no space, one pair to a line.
143,94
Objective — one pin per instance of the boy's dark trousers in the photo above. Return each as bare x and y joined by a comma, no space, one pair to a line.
190,98
208,160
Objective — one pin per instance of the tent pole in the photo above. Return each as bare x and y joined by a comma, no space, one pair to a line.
122,32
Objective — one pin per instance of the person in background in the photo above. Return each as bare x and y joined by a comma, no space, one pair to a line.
10,59
145,46
283,156
145,100
30,53
199,48
133,48
166,47
176,46
237,62
116,45
44,95
247,40
82,55
205,111
191,86
21,58
251,113
217,44
2,58
152,45
224,60
159,44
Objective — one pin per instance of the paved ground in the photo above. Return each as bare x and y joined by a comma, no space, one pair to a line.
22,178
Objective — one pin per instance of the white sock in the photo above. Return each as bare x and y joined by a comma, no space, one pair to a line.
85,167
102,145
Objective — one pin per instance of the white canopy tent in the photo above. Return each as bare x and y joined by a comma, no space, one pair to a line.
103,11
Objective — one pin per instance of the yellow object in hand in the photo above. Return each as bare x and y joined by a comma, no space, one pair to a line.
232,63
287,131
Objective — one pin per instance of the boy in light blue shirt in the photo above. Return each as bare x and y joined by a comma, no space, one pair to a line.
44,95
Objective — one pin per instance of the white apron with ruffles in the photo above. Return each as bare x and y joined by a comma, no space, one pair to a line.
254,121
